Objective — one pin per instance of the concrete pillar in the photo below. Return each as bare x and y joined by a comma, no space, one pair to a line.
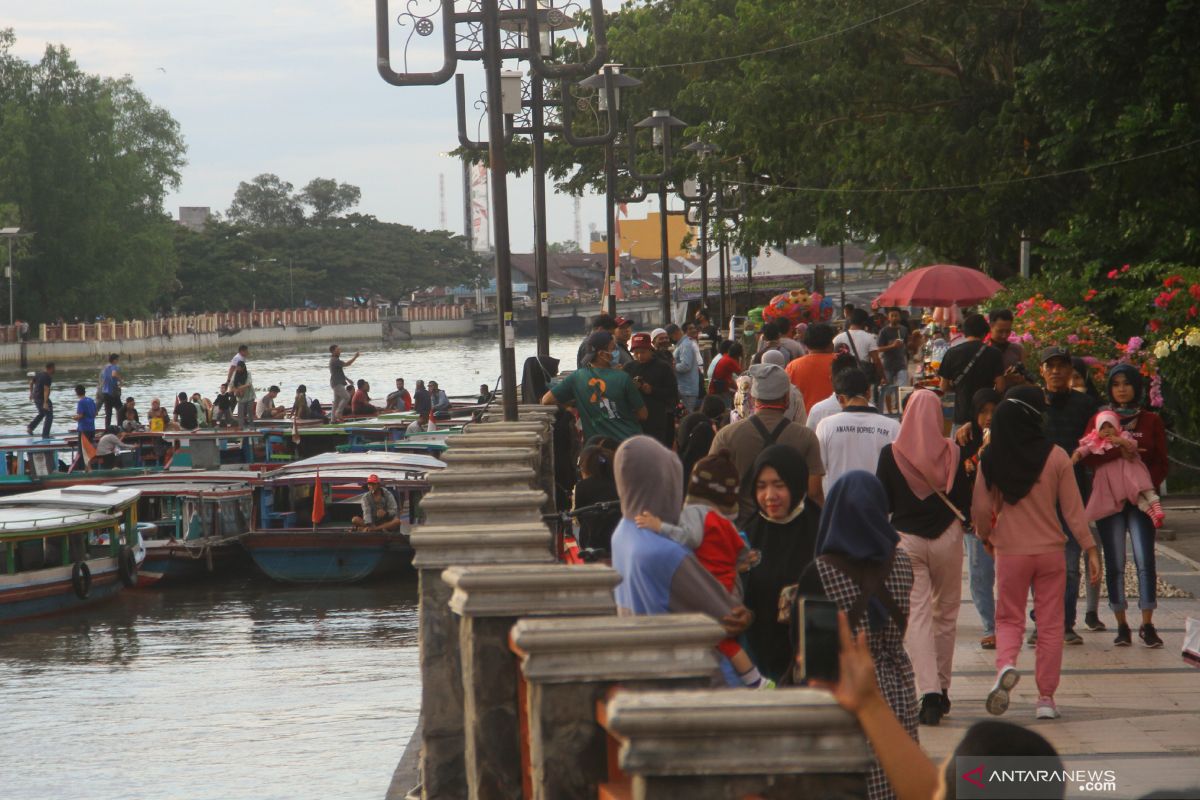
470,480
490,458
489,599
466,525
718,744
571,664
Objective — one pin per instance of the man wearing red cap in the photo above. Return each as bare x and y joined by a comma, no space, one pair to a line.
379,509
655,379
621,356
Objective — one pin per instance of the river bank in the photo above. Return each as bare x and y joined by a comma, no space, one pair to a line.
38,352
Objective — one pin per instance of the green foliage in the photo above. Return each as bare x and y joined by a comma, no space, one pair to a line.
265,202
233,266
84,165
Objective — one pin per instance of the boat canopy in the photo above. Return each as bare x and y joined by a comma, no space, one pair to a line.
85,497
364,463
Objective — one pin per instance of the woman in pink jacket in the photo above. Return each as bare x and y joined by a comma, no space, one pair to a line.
1025,481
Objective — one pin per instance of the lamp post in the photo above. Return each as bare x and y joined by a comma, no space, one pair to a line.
608,83
474,34
662,124
699,192
11,234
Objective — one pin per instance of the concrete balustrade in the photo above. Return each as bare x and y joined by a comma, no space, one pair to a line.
471,480
722,744
489,600
492,457
568,665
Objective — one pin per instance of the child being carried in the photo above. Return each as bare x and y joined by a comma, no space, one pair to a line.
1121,479
705,528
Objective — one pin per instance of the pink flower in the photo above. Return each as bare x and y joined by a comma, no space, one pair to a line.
1156,395
1125,268
1135,344
1112,274
1091,294
1028,337
1073,339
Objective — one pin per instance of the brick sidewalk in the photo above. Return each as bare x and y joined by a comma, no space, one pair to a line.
1130,709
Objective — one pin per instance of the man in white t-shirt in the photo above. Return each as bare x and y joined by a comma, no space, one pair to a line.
238,358
830,405
852,438
859,342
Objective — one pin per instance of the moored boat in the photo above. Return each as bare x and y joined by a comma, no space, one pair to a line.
62,549
302,531
193,521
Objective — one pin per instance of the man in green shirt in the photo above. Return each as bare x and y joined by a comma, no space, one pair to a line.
608,402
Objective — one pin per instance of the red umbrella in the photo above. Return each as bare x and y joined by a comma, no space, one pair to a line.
939,285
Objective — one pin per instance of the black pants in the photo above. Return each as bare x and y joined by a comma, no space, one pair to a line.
111,403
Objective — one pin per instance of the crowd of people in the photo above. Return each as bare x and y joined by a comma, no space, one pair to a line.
744,486
236,404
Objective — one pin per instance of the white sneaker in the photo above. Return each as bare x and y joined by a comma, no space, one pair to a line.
997,699
1046,709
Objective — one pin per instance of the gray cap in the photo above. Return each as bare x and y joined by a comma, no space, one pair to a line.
776,357
770,382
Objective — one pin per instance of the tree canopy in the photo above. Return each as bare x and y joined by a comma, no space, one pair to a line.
945,127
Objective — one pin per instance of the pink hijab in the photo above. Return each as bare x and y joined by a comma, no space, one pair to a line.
1092,442
926,458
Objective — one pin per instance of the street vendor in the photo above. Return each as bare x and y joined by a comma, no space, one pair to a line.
380,511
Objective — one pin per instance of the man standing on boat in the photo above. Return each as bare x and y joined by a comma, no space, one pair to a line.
608,402
39,393
337,381
110,389
380,511
238,358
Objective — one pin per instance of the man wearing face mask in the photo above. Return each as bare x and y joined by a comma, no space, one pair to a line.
1065,421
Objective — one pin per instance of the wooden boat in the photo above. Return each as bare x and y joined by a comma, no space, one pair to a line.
62,549
288,546
192,522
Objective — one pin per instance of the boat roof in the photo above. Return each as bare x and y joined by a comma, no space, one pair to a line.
226,433
183,482
33,443
88,497
364,461
389,476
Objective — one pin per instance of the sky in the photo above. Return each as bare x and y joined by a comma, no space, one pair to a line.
290,88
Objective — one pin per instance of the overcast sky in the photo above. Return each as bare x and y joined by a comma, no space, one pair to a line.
290,88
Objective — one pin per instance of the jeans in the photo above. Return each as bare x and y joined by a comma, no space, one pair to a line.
982,569
45,412
1092,590
1141,533
690,402
891,386
341,399
245,412
1071,598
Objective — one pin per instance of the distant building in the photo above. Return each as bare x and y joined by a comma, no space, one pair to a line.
641,238
194,217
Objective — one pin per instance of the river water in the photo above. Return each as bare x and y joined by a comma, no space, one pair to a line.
234,688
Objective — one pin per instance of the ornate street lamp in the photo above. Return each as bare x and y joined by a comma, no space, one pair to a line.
698,193
662,124
475,34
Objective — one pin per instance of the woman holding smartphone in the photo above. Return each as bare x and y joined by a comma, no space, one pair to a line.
860,567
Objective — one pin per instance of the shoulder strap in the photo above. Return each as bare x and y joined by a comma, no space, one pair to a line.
853,348
971,363
769,437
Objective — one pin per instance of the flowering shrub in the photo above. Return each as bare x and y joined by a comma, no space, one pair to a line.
1039,322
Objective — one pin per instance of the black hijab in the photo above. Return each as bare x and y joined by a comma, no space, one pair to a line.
787,548
1019,447
978,400
1134,376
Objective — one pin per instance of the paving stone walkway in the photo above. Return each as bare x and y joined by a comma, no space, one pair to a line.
1130,709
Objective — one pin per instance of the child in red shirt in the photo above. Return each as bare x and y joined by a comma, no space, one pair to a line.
704,526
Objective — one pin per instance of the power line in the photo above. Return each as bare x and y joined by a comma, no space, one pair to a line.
782,47
964,186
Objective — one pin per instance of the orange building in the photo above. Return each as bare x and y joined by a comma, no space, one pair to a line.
641,238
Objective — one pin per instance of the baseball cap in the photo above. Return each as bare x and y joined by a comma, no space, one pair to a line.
622,322
372,479
640,340
1050,353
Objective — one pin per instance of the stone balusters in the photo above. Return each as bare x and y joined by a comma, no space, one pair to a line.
489,600
727,744
482,509
568,665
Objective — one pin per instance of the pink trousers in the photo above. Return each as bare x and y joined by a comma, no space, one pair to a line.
933,606
1046,575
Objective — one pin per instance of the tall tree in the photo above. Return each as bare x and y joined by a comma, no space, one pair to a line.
86,161
264,202
327,198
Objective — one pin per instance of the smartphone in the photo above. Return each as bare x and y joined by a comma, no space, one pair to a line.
818,639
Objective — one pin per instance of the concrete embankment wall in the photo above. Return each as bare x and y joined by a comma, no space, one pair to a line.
38,352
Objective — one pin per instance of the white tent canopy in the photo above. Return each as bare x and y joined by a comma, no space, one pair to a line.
768,263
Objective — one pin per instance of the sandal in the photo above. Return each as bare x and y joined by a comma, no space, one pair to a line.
988,642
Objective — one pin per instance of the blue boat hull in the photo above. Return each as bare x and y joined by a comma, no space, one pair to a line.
39,593
327,557
176,563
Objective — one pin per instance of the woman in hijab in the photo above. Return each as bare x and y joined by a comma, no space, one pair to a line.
1025,481
860,568
928,492
784,532
1125,397
659,576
